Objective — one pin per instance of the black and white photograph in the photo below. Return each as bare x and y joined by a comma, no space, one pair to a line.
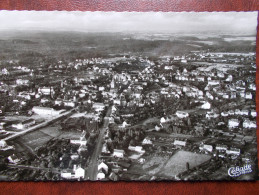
127,96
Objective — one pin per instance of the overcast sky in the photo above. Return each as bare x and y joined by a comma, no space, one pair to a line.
153,22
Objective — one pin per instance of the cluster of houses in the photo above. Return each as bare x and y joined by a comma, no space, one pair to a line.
130,90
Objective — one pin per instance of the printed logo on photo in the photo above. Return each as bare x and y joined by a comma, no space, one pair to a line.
237,171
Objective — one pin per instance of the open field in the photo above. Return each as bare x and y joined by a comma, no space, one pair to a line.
177,163
42,136
35,139
166,166
155,164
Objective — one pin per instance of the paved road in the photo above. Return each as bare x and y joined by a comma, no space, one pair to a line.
93,166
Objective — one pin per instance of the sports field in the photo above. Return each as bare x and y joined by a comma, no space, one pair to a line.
177,163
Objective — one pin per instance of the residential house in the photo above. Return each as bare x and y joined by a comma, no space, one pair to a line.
233,151
81,141
221,147
248,95
213,82
179,143
147,141
249,124
117,153
103,167
14,159
182,114
100,176
76,173
138,149
210,115
22,82
233,123
46,90
206,106
206,147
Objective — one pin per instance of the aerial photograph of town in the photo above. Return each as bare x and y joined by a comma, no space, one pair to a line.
130,96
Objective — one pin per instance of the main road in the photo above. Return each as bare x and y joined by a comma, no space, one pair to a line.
93,164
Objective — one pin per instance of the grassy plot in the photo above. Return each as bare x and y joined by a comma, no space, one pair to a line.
155,164
35,139
177,163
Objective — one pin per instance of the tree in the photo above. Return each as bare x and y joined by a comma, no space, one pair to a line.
132,142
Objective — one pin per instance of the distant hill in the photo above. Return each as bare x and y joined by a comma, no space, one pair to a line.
71,45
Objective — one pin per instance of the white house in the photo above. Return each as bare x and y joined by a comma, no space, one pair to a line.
101,88
253,113
206,147
182,114
69,103
249,124
105,149
234,151
22,82
229,78
79,173
138,149
58,101
233,123
118,153
162,120
146,141
102,166
98,106
100,176
116,102
46,90
13,159
168,67
125,124
231,112
224,114
3,144
183,61
179,143
66,175
206,106
221,147
213,82
252,86
158,127
244,112
209,95
210,115
248,95
44,100
81,141
74,156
